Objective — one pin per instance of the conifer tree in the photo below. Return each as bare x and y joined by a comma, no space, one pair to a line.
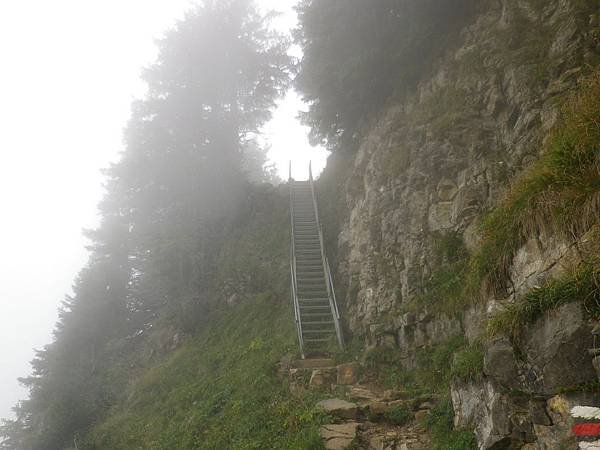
168,201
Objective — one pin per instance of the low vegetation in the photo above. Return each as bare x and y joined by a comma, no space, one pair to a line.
467,364
434,369
583,285
220,390
443,291
558,195
399,415
440,424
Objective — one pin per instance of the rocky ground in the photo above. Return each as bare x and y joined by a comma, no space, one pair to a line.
363,415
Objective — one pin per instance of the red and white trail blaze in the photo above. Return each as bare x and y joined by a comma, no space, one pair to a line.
587,426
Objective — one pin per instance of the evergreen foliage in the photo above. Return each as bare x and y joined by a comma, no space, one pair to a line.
170,200
357,54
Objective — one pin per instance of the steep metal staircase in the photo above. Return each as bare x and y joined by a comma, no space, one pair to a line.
315,307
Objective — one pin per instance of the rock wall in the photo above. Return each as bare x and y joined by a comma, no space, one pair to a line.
432,164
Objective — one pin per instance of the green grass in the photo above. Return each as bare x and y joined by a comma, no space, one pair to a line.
399,415
468,363
443,291
583,285
219,391
434,366
560,194
440,423
385,365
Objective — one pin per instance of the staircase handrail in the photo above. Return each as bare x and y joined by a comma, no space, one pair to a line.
296,304
333,302
326,271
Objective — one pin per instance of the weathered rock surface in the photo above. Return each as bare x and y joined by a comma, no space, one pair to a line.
347,373
556,348
504,421
433,163
339,437
430,166
500,364
313,363
339,408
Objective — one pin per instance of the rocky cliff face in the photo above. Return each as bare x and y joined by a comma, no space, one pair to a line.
430,166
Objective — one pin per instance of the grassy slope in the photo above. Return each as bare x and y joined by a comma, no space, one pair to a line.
221,389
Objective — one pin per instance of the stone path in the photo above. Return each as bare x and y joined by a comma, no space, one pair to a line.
367,426
366,416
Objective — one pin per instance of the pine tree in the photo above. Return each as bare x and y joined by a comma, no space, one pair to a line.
168,201
357,54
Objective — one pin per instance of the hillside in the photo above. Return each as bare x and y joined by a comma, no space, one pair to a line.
460,207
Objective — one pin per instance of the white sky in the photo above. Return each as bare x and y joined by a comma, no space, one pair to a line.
69,70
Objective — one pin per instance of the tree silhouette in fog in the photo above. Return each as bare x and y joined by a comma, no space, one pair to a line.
357,54
168,201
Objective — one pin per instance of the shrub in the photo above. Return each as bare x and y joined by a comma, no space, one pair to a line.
440,423
399,415
468,363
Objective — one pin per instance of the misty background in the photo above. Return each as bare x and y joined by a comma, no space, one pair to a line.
70,70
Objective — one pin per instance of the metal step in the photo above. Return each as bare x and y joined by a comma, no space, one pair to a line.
311,276
312,286
313,332
321,314
314,308
311,281
320,304
311,295
313,301
324,322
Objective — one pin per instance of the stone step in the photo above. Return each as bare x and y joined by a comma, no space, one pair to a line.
313,363
339,436
339,408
